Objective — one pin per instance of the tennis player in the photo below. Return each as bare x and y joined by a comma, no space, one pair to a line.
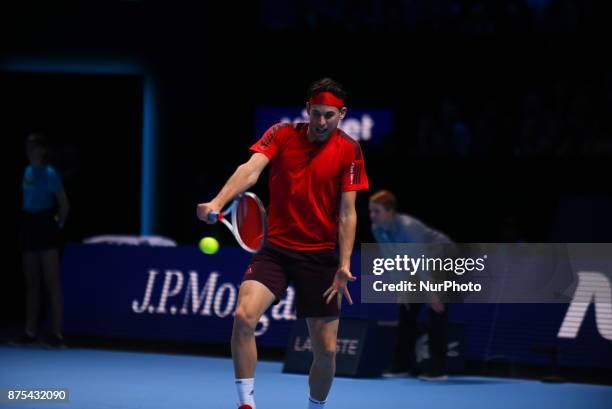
316,171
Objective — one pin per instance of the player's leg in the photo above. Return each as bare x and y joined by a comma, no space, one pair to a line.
410,329
312,273
253,300
51,273
438,344
323,336
264,281
31,269
402,360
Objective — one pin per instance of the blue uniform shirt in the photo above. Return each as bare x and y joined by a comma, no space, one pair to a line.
40,184
407,229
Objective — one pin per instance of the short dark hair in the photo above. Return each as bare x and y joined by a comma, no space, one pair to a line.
38,139
327,84
385,198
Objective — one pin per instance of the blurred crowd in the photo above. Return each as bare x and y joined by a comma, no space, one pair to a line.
459,16
565,118
565,114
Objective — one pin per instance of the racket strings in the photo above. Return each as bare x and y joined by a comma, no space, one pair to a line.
250,223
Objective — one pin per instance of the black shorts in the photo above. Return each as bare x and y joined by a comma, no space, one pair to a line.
40,231
311,272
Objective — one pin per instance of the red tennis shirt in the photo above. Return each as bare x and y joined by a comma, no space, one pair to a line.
306,183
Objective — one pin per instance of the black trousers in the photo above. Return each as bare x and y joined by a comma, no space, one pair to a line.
404,358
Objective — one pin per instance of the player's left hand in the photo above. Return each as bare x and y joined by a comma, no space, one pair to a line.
338,287
437,306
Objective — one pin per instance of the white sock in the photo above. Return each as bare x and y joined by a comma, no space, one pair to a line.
246,391
316,404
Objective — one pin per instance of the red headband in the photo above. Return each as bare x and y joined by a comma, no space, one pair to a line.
326,98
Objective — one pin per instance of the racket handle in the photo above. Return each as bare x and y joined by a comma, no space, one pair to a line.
213,217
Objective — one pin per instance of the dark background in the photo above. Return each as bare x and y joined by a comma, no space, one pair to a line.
502,109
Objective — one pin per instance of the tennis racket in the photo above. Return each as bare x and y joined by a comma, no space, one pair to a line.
246,219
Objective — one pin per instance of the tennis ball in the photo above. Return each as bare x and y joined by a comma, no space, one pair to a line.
209,245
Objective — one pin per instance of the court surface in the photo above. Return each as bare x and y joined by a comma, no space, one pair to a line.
103,379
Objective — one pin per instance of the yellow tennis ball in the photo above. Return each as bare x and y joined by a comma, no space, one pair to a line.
209,245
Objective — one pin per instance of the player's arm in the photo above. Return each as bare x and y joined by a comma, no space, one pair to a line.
346,228
63,206
244,177
346,239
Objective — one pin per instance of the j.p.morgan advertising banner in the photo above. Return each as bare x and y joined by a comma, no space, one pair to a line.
178,293
161,293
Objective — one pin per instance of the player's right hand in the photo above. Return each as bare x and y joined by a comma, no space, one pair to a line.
204,208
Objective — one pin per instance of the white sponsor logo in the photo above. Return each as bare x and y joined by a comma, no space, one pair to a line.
421,348
592,287
344,346
359,129
182,294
